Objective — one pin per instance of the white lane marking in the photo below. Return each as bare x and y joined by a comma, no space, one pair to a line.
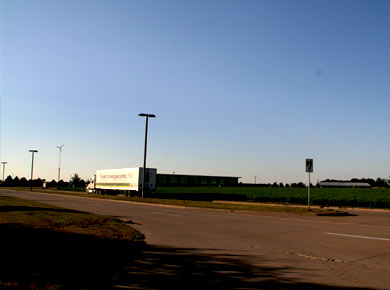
168,214
360,237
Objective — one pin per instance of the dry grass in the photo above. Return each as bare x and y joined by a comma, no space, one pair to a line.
46,247
37,215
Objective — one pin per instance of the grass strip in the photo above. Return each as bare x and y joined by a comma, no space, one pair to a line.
38,215
220,205
47,247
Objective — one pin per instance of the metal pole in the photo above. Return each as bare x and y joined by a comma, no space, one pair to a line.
308,193
32,167
4,163
59,162
146,144
59,168
32,170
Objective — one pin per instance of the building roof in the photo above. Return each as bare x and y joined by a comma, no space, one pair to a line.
343,184
195,175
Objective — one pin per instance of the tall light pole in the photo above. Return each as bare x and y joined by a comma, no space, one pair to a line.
4,163
59,161
146,143
32,166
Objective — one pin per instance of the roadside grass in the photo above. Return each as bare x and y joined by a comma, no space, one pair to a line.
37,215
46,247
378,198
209,204
322,197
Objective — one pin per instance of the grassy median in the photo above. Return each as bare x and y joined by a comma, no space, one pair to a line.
218,205
46,247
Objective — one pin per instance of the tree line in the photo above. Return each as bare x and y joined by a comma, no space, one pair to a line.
379,182
75,181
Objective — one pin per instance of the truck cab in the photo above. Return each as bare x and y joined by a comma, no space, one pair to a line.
91,187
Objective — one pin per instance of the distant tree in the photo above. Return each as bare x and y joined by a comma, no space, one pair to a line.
82,183
76,181
52,183
274,184
23,182
287,185
37,182
281,184
301,185
381,182
62,183
370,181
8,181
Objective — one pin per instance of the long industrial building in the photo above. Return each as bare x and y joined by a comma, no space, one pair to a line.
195,180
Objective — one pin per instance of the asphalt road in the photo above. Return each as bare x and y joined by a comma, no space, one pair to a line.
344,251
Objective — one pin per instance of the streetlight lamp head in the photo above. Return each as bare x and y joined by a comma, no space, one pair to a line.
33,151
147,115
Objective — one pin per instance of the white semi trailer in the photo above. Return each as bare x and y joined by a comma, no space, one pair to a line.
128,180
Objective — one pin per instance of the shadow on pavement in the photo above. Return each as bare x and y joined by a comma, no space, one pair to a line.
336,214
10,208
43,259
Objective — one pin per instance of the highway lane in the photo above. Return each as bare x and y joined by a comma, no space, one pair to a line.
344,251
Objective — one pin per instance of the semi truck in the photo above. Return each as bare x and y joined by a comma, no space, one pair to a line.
128,180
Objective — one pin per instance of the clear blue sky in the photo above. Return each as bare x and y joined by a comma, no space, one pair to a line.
240,88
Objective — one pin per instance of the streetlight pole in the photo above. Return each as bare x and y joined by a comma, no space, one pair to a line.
146,143
4,163
59,162
32,166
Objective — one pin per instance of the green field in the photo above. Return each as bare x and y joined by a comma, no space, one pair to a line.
351,197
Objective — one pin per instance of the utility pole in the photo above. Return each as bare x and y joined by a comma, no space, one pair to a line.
32,166
146,143
4,163
59,161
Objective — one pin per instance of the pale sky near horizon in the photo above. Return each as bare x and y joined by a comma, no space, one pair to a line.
240,88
